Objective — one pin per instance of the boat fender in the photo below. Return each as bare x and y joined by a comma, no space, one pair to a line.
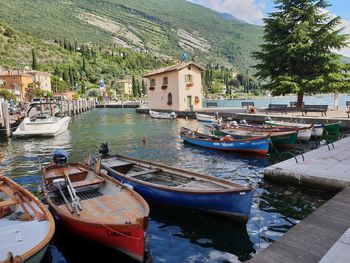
59,181
129,186
103,172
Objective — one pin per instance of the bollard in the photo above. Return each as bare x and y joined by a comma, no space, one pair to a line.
6,119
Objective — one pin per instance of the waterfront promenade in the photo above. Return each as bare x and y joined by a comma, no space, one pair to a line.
316,238
324,235
325,167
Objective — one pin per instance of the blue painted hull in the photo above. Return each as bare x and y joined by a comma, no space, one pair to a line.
232,203
258,146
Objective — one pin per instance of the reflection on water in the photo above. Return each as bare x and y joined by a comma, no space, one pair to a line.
175,235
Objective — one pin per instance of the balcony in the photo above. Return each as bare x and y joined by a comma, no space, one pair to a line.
164,86
151,88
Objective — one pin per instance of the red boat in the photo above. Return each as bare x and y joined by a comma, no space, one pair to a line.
97,207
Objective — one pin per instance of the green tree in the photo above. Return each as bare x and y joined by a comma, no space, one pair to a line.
298,53
34,62
134,86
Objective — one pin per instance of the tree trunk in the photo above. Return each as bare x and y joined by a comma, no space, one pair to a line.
300,100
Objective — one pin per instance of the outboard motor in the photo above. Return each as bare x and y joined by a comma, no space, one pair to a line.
104,151
243,122
60,157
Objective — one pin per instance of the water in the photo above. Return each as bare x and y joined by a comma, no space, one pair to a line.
264,102
175,234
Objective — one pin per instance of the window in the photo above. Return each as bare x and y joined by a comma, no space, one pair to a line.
189,67
170,99
165,81
153,82
188,78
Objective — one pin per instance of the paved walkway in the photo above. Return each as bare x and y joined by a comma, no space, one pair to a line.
311,239
323,168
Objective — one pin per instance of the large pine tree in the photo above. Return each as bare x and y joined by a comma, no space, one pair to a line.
298,55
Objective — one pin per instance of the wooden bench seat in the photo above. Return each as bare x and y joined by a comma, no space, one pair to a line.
212,104
277,107
143,172
7,202
314,108
87,182
246,104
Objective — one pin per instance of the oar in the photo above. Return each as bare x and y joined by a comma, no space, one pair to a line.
64,198
40,216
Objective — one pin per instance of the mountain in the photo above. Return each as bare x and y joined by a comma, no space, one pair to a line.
167,27
345,59
73,63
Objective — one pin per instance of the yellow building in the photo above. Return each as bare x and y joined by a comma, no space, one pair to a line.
177,87
124,85
16,81
43,78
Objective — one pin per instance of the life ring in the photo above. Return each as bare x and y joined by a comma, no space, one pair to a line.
227,138
252,110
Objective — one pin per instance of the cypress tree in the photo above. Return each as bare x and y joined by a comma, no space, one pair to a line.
34,62
143,87
298,53
134,87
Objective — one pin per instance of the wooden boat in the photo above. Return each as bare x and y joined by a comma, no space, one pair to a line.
331,132
304,133
163,115
26,226
280,139
172,186
207,118
317,129
96,207
257,145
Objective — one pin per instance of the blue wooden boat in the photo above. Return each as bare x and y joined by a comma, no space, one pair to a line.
256,145
172,186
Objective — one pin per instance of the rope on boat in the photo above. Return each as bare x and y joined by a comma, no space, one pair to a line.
120,233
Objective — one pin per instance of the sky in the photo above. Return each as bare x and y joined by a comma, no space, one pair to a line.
253,11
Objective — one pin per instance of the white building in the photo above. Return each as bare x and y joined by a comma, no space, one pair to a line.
177,87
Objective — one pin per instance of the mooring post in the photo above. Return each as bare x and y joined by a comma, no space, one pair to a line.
6,118
69,109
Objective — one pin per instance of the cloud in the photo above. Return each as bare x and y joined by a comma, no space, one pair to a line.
345,24
251,11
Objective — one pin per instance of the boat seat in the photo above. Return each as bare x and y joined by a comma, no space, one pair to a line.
60,174
7,202
144,172
87,182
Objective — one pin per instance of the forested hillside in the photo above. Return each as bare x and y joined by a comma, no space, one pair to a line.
167,27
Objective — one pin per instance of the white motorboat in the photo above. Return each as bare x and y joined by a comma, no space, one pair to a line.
42,124
208,118
317,129
163,115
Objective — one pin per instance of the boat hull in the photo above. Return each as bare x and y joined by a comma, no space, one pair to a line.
287,139
163,115
46,130
233,204
130,241
256,146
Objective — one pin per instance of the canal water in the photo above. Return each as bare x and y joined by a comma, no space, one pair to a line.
174,234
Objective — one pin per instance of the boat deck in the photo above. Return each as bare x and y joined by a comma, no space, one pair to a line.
108,209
